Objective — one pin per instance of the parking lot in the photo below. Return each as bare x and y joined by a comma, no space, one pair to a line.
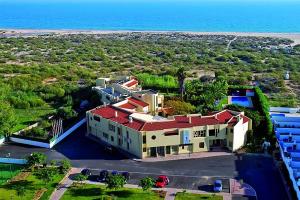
184,182
258,171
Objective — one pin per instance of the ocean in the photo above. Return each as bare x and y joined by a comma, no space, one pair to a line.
201,16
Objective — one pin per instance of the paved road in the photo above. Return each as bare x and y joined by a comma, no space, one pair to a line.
258,171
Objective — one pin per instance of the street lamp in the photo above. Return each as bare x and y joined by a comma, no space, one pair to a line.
8,156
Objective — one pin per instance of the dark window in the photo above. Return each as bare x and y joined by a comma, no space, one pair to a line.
212,132
111,127
96,118
144,139
168,149
144,149
153,137
128,145
112,138
231,130
127,134
171,133
201,133
201,144
105,135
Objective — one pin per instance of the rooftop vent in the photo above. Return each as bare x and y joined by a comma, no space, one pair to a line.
130,119
116,113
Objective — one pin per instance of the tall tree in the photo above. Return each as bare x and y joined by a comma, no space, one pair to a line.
181,75
7,118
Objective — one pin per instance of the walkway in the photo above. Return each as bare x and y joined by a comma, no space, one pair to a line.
64,184
185,156
229,43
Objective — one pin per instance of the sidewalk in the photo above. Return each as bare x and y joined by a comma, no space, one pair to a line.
64,184
185,156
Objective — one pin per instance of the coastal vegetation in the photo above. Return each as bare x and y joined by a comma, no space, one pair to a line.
53,74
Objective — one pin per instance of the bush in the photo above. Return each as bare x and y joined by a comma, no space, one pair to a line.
65,166
115,181
147,183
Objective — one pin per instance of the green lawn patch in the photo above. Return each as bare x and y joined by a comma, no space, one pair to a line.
31,186
89,191
7,171
189,196
26,117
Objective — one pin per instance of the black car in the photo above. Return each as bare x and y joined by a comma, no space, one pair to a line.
126,175
86,172
103,176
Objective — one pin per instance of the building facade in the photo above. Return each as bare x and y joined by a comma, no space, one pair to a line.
144,135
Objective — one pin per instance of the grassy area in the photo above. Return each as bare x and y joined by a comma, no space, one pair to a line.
26,117
189,196
88,191
7,171
222,102
31,186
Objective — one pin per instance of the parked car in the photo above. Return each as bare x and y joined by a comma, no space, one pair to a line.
218,186
126,175
103,176
162,181
86,172
115,173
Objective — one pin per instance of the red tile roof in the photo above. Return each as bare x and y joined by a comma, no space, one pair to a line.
222,117
138,102
131,83
108,112
128,106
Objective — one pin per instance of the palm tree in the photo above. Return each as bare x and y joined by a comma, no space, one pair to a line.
181,75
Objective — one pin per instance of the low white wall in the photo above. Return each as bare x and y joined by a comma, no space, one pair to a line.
68,132
2,140
51,144
13,161
284,109
29,142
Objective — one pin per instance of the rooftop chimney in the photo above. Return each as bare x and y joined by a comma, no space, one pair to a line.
116,113
190,119
130,119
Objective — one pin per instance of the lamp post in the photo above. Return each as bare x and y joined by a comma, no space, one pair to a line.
8,157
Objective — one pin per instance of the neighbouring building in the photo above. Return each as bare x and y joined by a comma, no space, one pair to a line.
133,125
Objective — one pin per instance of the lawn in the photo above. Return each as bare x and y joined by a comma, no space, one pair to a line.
31,186
89,191
7,171
189,196
26,117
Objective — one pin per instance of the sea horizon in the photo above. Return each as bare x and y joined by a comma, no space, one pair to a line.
216,16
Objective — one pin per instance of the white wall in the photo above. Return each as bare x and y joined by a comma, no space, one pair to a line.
284,109
51,144
239,135
13,161
2,140
29,142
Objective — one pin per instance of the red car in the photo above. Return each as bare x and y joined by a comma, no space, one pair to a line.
162,181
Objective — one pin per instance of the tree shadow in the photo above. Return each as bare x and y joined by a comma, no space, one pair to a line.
78,191
120,193
15,185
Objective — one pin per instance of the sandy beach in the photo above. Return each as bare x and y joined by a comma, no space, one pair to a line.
35,32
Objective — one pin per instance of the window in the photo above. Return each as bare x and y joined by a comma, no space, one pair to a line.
212,132
231,130
171,133
144,149
105,135
201,133
111,127
112,138
128,145
144,139
96,118
201,145
153,137
230,144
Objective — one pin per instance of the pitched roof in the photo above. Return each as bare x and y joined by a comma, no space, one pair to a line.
223,117
108,112
138,102
127,106
131,83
